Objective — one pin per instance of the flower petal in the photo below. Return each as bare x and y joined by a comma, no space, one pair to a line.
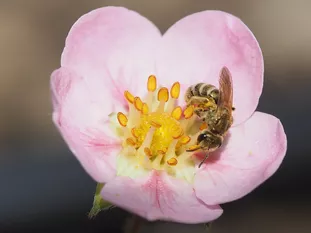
254,151
81,115
159,197
195,49
116,39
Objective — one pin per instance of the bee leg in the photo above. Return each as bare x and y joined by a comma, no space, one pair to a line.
196,100
206,156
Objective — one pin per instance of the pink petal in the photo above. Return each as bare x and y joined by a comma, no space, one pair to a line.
81,115
253,153
195,49
116,39
159,197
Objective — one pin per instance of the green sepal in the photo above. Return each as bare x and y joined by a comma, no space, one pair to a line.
99,204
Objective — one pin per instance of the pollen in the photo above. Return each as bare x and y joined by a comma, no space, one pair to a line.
145,109
172,162
163,94
176,113
138,104
152,83
155,131
130,142
129,97
122,119
175,90
189,112
203,126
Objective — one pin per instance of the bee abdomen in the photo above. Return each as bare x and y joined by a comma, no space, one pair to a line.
201,90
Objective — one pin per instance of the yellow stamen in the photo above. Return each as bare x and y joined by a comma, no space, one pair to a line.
172,162
129,97
193,148
184,140
154,137
177,112
163,94
175,90
152,83
138,103
188,112
122,119
135,132
148,151
155,124
145,109
178,133
203,126
130,142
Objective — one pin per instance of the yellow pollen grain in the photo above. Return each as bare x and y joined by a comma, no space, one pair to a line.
147,151
184,140
135,133
163,94
122,119
129,97
175,90
138,104
172,162
155,124
176,113
145,109
178,133
130,142
203,126
188,112
152,83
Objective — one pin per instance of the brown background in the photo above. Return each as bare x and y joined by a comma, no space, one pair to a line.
44,189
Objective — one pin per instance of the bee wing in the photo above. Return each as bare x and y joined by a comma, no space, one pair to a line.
225,89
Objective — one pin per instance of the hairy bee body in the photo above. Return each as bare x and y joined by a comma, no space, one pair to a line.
203,90
214,106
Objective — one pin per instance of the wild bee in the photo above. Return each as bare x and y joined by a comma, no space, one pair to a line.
216,111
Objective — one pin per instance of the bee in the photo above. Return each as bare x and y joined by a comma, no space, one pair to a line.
204,97
216,111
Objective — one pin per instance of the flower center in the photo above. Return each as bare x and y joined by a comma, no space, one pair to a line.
155,131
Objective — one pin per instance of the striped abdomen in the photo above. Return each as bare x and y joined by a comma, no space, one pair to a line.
202,90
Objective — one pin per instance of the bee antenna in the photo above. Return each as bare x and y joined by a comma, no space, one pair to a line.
206,156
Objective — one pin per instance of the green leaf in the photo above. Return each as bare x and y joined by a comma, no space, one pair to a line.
99,204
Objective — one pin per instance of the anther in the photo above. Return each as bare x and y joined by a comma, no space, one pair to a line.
172,162
188,112
129,97
203,126
163,94
176,113
134,132
145,109
122,119
138,103
178,133
155,124
175,90
184,140
130,142
147,151
152,83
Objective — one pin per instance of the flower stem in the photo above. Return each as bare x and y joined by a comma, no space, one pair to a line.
137,223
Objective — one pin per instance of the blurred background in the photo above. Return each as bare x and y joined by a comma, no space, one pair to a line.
43,187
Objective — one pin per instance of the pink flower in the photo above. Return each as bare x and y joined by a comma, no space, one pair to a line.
112,50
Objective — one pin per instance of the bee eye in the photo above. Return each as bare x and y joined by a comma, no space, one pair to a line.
201,137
